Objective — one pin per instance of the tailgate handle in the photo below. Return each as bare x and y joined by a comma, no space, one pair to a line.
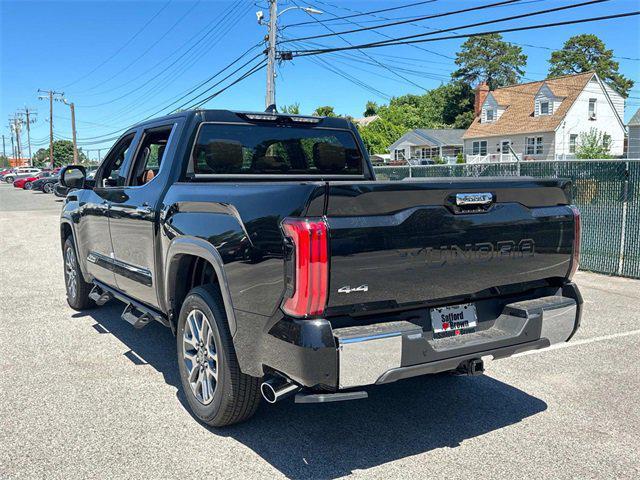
470,199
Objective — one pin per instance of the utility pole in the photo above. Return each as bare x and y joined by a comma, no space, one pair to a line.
16,122
270,102
28,112
73,128
13,148
50,94
4,151
272,30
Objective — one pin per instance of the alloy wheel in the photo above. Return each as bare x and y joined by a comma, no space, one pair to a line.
200,356
48,188
71,273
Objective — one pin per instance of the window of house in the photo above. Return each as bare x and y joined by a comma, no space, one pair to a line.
592,107
573,140
398,155
606,140
490,114
544,108
534,146
479,147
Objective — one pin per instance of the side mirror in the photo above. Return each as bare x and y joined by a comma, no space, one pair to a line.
73,176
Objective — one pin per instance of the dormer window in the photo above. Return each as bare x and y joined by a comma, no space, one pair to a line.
490,114
544,108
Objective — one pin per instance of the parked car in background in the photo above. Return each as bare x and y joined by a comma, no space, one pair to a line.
21,172
45,184
26,183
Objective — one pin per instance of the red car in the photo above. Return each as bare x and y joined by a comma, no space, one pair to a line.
26,183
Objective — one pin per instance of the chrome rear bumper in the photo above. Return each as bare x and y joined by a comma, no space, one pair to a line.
384,353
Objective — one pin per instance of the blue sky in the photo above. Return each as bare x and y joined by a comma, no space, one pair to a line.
85,48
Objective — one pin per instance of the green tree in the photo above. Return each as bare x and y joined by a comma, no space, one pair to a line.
41,157
379,134
324,111
489,58
584,53
371,109
62,154
593,144
4,161
293,109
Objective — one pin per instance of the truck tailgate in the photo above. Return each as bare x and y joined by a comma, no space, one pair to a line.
404,243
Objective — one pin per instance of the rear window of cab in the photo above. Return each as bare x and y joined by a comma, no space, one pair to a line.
232,149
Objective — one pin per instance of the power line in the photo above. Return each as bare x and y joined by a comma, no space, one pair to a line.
366,54
384,34
253,70
477,24
360,14
162,37
128,42
94,140
217,27
417,19
476,34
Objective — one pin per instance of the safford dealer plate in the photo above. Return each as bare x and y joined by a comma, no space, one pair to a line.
453,320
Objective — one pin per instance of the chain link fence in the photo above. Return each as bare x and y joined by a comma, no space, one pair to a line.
607,192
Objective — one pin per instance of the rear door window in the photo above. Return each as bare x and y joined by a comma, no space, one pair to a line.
227,149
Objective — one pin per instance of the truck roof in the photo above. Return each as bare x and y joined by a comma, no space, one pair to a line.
241,116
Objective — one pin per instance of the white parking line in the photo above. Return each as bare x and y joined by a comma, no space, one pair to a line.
602,338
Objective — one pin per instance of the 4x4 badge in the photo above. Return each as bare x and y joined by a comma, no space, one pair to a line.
348,289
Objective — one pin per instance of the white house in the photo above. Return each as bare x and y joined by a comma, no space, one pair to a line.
634,136
428,144
543,120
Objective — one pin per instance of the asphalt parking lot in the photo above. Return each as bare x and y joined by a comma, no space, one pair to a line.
84,395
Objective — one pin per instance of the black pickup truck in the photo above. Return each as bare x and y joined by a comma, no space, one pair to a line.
266,245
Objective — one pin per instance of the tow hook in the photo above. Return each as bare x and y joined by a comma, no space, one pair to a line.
472,367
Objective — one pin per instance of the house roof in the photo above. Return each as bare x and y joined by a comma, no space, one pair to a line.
520,104
432,137
635,120
364,121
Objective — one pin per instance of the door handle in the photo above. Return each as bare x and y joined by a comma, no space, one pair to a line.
144,210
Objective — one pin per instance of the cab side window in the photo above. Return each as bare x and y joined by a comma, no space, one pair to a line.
108,175
149,156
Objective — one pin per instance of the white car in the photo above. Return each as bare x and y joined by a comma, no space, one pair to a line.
21,172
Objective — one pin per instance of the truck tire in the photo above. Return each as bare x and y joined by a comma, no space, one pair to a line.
218,393
77,289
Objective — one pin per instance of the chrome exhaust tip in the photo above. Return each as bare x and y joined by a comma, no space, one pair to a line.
276,389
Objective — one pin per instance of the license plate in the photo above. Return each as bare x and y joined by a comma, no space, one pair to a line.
453,320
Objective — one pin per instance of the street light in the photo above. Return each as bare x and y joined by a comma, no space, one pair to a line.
310,10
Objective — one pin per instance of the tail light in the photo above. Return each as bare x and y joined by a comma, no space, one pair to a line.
575,256
307,274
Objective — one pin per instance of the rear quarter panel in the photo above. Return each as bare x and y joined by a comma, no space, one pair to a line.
242,221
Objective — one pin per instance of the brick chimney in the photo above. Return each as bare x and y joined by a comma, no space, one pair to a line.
482,90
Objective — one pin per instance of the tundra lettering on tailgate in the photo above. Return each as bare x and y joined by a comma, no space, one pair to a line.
484,251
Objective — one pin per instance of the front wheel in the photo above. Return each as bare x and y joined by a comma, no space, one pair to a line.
218,393
77,289
47,188
9,179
